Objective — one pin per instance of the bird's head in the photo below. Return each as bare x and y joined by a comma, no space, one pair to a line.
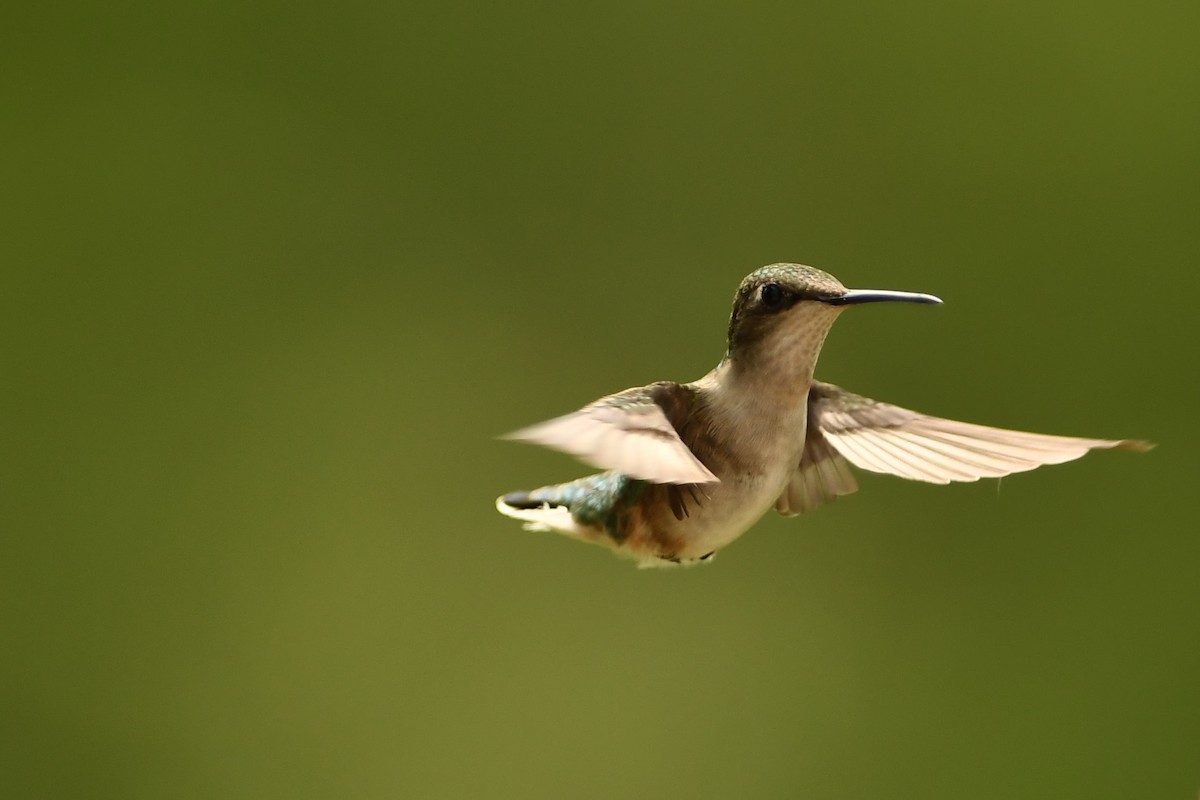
782,312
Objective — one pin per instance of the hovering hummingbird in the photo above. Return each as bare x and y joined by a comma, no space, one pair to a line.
691,466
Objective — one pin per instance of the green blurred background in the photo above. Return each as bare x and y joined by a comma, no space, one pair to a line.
278,274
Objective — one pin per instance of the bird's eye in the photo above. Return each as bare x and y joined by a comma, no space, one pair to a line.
772,296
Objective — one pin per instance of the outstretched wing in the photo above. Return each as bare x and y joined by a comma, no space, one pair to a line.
845,428
884,438
635,432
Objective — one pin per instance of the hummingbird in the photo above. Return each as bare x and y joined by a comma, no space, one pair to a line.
690,467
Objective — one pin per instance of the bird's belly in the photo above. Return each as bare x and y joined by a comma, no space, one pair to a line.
729,509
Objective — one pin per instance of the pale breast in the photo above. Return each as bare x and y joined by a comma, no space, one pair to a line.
750,483
728,512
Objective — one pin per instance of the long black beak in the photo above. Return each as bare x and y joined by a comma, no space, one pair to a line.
855,296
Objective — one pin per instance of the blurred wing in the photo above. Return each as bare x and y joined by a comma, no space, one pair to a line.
634,432
884,438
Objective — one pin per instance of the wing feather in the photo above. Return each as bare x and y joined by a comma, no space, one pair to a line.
884,438
635,432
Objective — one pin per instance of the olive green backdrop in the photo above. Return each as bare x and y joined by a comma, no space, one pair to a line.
276,275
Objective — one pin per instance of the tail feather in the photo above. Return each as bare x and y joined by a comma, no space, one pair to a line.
541,509
535,498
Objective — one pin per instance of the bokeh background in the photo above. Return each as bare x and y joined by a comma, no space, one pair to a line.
277,274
